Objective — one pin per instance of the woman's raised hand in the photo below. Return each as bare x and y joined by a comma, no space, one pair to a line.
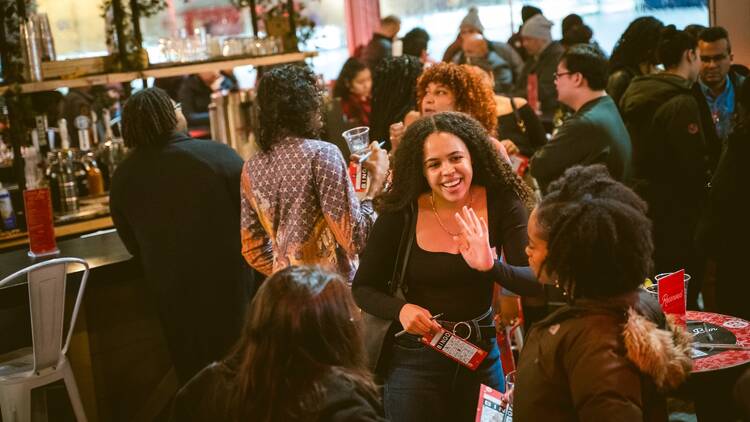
474,240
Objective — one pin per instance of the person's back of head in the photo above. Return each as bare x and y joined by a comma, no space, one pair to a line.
394,92
289,103
589,62
415,42
597,232
528,12
672,46
637,45
149,118
390,25
300,327
576,34
570,21
471,24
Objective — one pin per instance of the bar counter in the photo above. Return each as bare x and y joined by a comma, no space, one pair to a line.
118,352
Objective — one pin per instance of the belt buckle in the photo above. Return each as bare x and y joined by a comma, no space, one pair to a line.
462,324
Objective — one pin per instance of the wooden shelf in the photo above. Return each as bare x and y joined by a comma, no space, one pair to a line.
162,72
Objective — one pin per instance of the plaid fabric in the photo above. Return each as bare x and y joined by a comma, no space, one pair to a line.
299,207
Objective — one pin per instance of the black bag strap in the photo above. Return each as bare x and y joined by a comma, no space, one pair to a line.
404,250
517,116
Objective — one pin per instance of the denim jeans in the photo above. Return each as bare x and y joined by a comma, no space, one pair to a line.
424,385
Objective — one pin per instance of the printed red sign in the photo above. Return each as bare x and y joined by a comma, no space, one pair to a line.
456,348
39,222
672,293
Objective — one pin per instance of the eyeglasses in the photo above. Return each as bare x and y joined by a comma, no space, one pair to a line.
716,58
558,75
177,106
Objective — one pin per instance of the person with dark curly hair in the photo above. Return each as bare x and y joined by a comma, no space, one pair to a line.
300,359
634,55
394,95
353,87
453,87
298,203
445,165
609,353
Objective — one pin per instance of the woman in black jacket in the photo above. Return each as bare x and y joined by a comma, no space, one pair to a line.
300,359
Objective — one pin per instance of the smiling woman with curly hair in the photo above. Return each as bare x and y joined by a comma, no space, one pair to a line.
452,87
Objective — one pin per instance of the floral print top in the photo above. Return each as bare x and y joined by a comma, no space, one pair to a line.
299,207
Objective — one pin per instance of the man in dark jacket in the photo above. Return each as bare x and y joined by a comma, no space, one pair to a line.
381,44
717,86
536,82
672,163
175,202
595,133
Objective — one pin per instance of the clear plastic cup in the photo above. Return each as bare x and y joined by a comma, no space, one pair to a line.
358,139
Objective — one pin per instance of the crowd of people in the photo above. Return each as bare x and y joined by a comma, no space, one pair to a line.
535,168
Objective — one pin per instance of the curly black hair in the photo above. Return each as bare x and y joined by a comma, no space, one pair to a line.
598,236
637,44
289,103
394,93
490,171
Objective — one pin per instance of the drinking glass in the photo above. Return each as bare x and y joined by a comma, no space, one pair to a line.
358,139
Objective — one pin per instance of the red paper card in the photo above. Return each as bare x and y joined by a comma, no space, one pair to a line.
39,222
491,407
456,348
672,293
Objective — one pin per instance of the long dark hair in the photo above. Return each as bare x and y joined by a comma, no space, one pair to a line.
350,70
637,44
148,118
394,93
299,329
289,103
490,171
599,238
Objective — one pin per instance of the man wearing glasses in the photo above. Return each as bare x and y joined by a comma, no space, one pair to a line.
595,133
717,83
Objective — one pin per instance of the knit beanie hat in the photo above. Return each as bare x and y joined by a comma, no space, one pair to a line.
471,20
537,27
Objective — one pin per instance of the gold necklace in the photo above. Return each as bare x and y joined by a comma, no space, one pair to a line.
437,216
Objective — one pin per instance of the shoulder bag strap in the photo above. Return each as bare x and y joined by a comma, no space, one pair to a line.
517,116
404,250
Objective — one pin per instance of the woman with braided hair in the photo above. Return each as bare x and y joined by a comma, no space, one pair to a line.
610,353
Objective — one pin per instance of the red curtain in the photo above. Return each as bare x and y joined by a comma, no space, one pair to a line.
362,18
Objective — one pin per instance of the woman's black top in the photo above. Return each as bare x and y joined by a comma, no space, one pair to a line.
443,282
524,128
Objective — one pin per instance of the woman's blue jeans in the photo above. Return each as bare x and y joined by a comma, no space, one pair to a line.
424,385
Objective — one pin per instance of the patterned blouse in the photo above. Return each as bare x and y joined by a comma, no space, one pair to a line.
299,207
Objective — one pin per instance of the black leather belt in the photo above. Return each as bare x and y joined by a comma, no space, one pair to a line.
473,330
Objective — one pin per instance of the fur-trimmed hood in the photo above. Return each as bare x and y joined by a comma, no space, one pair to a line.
663,354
